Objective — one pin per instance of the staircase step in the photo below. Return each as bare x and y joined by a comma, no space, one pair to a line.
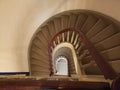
108,43
39,64
100,25
42,39
46,33
37,45
40,69
104,34
64,21
38,56
89,23
72,20
80,21
58,25
111,54
39,53
41,61
51,27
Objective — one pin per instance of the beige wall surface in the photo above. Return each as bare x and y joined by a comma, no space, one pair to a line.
19,19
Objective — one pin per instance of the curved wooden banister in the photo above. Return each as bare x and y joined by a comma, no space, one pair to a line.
51,44
104,66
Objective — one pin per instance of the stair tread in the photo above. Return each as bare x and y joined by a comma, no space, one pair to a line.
80,21
100,24
88,24
57,24
104,34
108,43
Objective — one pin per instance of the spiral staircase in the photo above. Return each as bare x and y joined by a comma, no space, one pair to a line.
102,32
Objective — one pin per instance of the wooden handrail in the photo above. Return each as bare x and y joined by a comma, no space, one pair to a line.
105,67
103,64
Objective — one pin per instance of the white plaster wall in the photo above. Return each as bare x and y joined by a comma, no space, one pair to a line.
19,19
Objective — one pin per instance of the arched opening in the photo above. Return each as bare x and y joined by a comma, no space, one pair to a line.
61,66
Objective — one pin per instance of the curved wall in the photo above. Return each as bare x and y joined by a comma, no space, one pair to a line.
19,19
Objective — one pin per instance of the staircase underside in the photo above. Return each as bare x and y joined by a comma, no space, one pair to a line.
102,31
